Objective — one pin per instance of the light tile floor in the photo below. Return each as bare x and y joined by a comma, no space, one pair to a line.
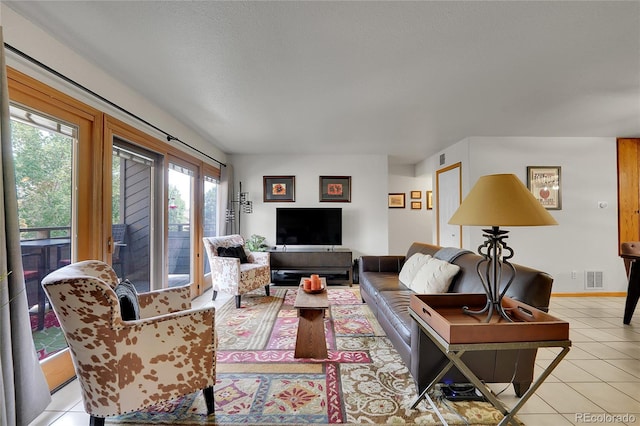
598,382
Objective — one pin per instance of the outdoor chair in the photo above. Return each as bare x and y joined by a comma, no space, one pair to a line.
32,272
127,365
234,270
118,257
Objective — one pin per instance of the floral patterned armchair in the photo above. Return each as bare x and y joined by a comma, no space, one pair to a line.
229,274
124,366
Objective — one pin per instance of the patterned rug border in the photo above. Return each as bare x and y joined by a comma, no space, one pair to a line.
273,356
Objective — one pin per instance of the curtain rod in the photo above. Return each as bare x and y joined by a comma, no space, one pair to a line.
105,100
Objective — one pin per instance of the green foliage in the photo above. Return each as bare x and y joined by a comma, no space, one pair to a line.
115,189
43,165
177,207
210,203
256,243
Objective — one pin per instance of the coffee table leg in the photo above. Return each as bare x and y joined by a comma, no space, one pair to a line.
311,341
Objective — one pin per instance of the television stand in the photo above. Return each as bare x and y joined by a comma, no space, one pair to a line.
290,264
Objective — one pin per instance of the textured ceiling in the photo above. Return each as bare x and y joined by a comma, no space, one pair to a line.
404,79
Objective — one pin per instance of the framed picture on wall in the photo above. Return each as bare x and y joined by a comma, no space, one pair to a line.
279,188
335,188
396,200
429,200
416,205
416,195
544,183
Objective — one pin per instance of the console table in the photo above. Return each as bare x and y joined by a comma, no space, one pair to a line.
289,265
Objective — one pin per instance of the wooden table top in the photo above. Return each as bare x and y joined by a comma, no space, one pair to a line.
306,300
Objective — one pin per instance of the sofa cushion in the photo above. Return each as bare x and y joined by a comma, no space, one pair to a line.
422,248
394,306
411,267
434,277
375,282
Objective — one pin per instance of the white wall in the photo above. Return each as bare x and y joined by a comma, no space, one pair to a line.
407,225
365,218
586,238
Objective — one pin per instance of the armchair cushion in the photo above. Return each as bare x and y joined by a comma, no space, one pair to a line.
233,251
128,298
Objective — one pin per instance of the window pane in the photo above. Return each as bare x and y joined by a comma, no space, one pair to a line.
43,150
210,211
131,218
181,182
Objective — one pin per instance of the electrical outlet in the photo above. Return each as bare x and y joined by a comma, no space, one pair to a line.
574,275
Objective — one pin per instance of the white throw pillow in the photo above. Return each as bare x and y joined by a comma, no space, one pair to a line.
434,277
412,266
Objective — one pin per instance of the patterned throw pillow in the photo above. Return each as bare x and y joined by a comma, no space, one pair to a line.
128,297
434,277
411,267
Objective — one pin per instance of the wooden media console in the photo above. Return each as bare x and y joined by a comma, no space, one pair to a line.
289,265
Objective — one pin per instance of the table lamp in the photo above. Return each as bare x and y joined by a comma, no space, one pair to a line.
495,201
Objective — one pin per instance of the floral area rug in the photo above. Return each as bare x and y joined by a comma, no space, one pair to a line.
259,382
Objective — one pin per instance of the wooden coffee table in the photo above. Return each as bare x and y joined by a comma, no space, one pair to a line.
311,341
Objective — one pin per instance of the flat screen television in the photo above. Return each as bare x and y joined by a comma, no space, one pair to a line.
309,226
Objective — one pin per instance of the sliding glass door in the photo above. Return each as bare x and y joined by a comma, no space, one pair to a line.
134,172
181,185
43,153
54,143
210,214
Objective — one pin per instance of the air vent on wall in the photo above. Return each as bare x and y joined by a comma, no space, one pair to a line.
593,280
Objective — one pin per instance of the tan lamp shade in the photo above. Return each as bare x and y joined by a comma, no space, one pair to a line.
501,200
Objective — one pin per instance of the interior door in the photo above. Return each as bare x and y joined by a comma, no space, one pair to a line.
628,190
448,199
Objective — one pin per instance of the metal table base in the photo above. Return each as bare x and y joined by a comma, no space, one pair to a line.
454,353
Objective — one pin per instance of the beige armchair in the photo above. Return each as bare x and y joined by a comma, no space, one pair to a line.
229,274
124,366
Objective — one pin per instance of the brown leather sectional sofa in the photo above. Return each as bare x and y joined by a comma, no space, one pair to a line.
388,298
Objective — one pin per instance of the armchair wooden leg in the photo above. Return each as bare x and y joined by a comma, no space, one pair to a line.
209,399
238,297
267,290
96,421
215,294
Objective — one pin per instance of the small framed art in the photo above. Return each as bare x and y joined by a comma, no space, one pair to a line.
396,200
416,205
429,200
544,183
416,195
279,188
335,188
